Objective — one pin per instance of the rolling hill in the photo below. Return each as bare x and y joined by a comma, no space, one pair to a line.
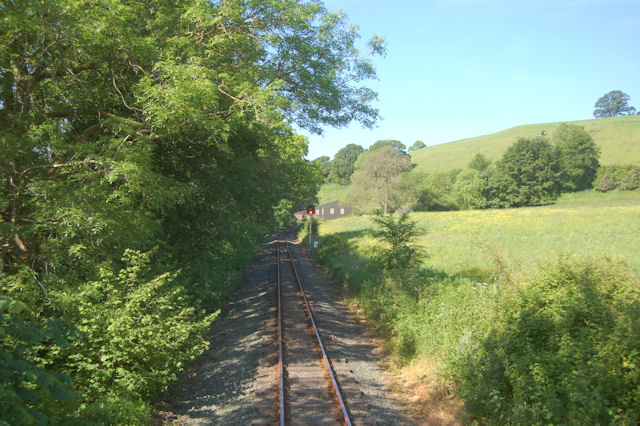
618,137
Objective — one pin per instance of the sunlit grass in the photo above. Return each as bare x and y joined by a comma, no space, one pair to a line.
581,225
332,192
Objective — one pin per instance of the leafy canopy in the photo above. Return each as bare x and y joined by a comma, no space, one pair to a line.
379,176
146,148
343,164
398,146
417,145
529,173
612,104
578,157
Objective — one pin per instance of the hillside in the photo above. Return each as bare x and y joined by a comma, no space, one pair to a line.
618,137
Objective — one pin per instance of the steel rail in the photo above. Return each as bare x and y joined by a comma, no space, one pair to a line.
325,358
280,361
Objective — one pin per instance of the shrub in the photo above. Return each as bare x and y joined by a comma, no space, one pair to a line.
331,246
469,189
606,182
579,156
29,393
626,178
398,236
137,330
563,349
529,173
434,193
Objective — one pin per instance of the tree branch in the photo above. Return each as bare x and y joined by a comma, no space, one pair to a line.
58,165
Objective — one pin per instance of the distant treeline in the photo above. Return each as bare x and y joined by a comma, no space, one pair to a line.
532,171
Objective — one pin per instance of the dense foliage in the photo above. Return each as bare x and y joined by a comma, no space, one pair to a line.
578,157
625,178
557,347
417,145
343,164
378,175
529,173
145,149
398,146
532,171
562,348
398,236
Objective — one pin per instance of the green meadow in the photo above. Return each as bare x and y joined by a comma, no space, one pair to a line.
529,315
586,224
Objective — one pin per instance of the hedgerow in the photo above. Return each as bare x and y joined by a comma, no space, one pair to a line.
562,349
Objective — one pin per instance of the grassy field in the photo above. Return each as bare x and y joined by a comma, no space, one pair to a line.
531,301
586,224
540,301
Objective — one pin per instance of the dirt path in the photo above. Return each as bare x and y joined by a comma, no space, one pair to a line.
219,387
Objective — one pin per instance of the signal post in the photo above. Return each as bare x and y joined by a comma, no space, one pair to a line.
311,210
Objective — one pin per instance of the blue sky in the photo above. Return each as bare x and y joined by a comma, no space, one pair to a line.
464,68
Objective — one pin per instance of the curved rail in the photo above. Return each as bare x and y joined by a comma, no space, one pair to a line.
325,358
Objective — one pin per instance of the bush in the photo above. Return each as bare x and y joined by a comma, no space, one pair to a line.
434,193
529,173
331,246
29,393
563,348
626,178
469,189
398,236
137,331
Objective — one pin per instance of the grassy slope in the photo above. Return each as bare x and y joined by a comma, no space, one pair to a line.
619,138
332,192
585,224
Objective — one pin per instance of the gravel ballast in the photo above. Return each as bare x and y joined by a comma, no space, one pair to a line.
220,386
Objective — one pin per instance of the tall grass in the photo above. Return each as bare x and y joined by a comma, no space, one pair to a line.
580,225
532,314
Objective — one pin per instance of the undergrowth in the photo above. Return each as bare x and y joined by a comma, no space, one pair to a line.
557,346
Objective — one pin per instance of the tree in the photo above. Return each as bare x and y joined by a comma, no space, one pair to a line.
469,189
417,145
343,164
612,104
324,163
399,236
479,163
398,146
379,174
529,173
431,192
146,149
578,156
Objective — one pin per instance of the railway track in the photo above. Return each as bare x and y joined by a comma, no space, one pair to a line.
297,383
